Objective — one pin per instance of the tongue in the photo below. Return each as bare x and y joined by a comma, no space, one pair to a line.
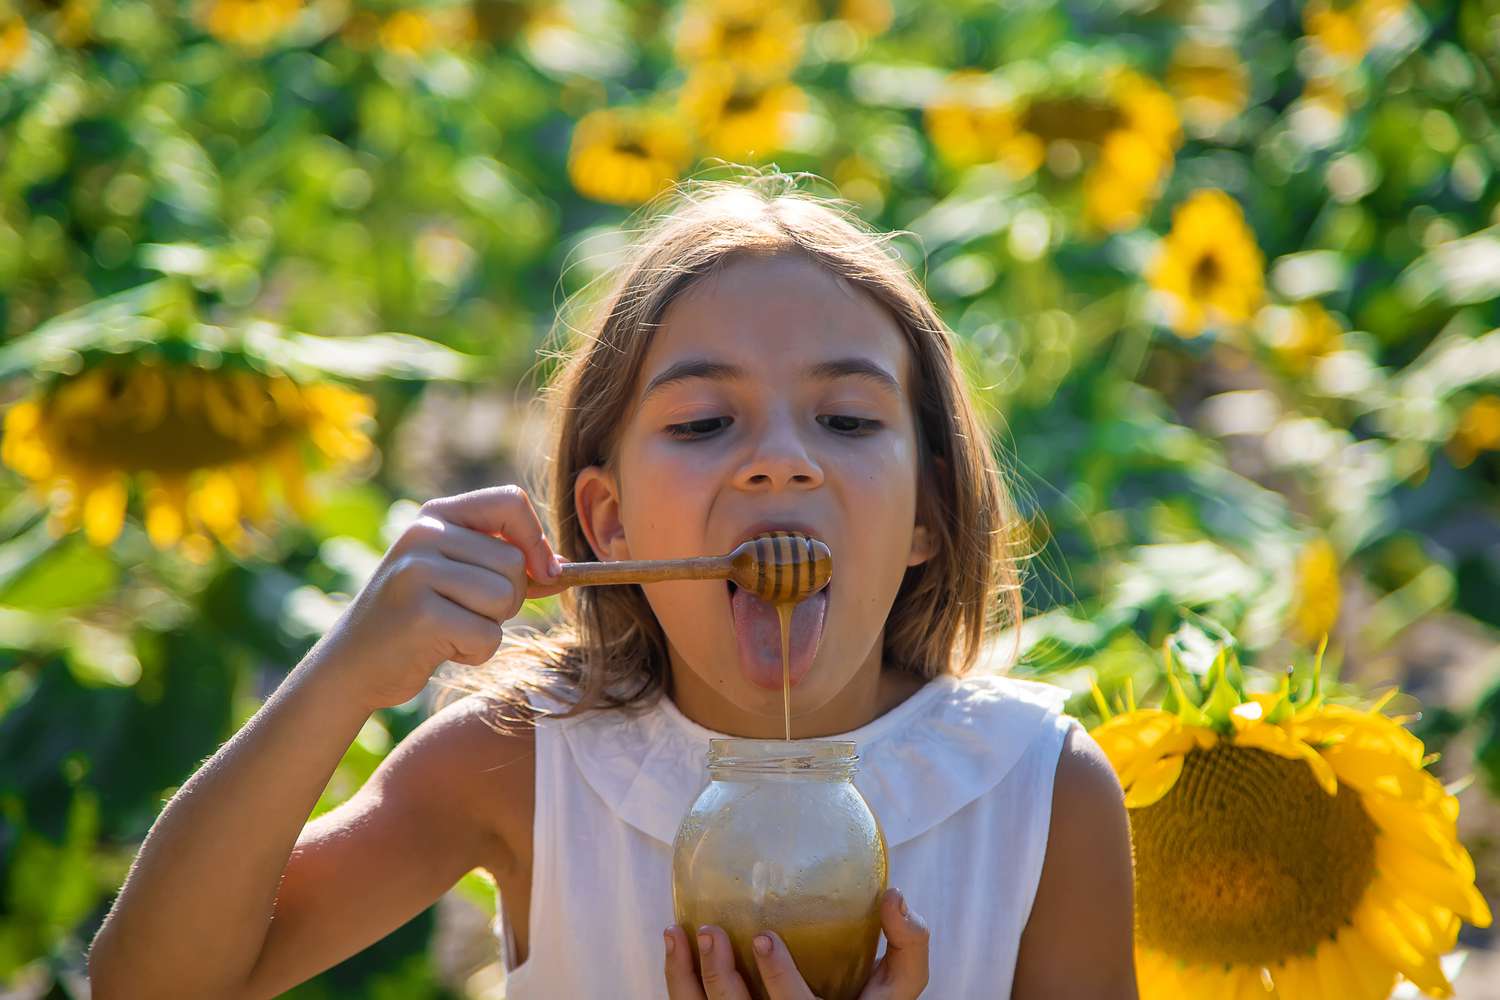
757,626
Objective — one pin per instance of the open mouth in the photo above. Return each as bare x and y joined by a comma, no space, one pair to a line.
757,629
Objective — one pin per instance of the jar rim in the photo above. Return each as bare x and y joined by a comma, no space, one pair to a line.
811,757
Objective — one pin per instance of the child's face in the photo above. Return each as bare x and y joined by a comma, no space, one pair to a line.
778,443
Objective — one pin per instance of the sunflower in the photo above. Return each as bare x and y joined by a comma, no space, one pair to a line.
1121,133
13,39
409,33
1285,848
968,116
1210,267
1477,430
1135,157
762,40
624,156
249,24
1210,83
1345,31
1302,334
737,118
868,18
197,442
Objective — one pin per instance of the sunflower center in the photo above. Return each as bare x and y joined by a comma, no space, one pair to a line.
742,102
1247,860
735,32
1071,119
1206,276
172,422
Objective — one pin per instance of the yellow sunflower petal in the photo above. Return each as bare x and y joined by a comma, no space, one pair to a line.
1377,927
1295,979
1376,977
1421,831
1338,723
166,512
1155,782
1441,885
216,502
1335,978
1126,736
104,510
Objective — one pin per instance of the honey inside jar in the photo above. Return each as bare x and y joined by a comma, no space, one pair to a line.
782,840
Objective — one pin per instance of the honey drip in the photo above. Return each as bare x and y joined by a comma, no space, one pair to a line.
784,612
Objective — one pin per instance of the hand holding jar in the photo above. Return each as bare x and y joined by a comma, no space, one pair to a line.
901,974
779,876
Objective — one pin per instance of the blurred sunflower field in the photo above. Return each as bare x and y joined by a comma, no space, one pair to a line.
1225,276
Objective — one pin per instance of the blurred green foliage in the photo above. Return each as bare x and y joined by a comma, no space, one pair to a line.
399,196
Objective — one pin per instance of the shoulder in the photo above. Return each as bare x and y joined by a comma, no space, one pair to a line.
462,763
1081,917
466,740
1085,789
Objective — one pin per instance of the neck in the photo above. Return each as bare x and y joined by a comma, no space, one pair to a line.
867,695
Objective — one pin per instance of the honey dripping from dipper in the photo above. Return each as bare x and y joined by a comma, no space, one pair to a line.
791,567
782,568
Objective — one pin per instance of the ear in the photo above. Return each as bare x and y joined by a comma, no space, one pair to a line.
923,538
923,547
596,495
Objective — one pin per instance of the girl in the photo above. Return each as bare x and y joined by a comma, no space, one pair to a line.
760,361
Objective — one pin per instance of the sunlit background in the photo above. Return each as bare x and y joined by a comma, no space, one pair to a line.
272,272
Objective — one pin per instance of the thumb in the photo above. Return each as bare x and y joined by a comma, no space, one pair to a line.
903,969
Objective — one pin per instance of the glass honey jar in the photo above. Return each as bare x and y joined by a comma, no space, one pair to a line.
781,840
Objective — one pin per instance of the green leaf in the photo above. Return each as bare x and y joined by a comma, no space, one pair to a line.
116,323
50,887
38,573
376,355
357,510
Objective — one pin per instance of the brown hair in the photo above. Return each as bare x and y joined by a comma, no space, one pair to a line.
610,651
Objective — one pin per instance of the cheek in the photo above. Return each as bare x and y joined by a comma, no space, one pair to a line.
667,492
884,477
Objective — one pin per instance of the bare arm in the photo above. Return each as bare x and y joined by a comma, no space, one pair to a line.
231,896
431,812
192,914
1078,941
217,903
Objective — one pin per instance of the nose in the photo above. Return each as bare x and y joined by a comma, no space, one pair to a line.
779,459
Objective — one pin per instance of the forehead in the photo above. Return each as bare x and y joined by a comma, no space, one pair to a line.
780,312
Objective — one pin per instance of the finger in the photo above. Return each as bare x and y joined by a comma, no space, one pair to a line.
505,511
469,546
479,590
460,635
720,980
682,978
777,970
902,972
535,589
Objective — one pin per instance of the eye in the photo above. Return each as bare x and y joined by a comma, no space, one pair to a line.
850,426
695,429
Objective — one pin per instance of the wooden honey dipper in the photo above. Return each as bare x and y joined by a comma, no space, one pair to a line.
781,567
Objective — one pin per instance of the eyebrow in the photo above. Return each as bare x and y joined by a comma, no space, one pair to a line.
823,371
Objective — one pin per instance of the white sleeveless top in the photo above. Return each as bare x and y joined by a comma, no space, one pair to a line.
959,774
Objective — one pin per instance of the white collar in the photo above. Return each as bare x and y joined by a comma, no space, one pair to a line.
937,751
